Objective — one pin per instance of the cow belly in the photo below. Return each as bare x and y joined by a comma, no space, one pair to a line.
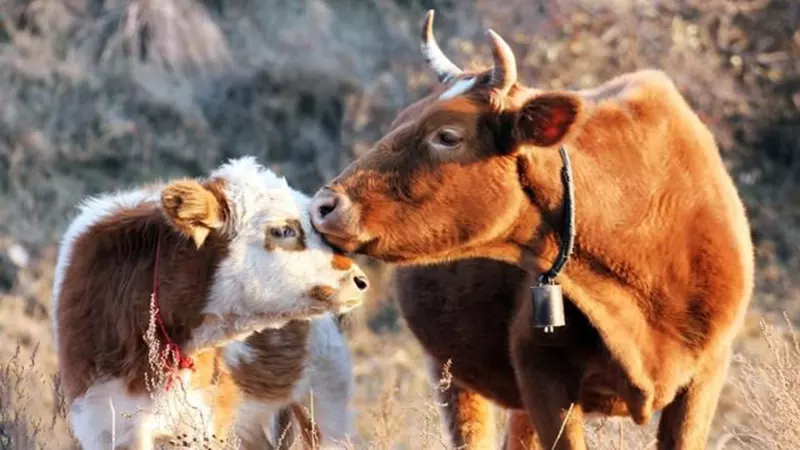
461,312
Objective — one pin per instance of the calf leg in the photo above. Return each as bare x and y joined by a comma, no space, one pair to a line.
253,424
328,421
543,378
107,417
520,434
467,416
284,430
685,422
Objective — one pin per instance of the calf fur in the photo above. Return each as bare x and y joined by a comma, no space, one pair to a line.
204,264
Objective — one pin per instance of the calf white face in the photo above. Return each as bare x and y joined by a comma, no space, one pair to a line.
275,265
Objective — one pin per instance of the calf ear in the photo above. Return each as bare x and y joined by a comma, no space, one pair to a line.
192,209
546,119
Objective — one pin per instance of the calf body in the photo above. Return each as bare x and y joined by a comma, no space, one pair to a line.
151,280
658,282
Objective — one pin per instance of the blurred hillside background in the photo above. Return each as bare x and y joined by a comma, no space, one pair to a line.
96,95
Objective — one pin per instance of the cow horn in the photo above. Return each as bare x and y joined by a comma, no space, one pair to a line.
444,68
504,72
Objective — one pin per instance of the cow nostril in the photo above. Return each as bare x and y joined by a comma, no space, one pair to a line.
327,207
325,210
361,283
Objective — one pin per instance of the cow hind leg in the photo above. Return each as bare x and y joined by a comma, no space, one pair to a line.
520,434
467,416
685,423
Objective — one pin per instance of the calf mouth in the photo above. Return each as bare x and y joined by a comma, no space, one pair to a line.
340,300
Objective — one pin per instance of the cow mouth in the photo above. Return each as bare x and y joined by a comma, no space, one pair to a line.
373,249
348,245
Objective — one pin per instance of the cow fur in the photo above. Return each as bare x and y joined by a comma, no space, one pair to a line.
241,271
464,192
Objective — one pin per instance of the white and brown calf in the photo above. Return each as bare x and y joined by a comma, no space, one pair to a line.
160,297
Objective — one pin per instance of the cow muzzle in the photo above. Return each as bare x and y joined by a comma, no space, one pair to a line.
334,216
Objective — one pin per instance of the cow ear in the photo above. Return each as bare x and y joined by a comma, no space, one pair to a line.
192,209
546,119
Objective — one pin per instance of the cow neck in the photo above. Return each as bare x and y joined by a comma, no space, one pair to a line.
172,360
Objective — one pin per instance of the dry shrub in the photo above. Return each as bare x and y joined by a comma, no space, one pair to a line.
22,424
769,385
16,426
395,400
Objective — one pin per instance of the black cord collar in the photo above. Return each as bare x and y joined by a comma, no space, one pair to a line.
568,232
548,299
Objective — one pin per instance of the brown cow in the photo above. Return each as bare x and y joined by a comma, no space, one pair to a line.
660,276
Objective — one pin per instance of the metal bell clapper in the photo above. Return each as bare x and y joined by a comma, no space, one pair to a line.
548,307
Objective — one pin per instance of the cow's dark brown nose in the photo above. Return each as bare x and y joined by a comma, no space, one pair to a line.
332,214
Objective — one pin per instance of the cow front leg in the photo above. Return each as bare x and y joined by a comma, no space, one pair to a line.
467,416
685,423
544,379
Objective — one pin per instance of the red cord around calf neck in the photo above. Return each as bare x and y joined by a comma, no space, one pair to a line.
171,351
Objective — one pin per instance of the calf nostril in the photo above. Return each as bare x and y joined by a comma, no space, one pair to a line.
361,283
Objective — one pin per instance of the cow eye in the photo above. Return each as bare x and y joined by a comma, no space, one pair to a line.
283,232
448,137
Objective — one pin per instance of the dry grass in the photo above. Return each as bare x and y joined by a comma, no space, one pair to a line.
397,406
769,389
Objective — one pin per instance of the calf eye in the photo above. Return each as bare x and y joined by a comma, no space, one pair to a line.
283,232
448,137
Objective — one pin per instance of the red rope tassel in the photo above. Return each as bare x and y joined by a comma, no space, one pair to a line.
171,348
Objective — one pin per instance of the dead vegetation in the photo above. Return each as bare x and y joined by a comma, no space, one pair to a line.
96,94
769,389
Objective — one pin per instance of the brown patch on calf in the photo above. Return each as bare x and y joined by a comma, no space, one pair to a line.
324,294
279,357
104,301
341,262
